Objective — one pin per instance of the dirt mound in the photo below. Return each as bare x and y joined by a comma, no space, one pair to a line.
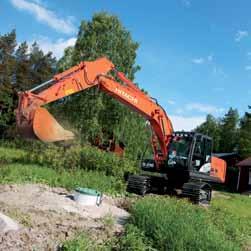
48,216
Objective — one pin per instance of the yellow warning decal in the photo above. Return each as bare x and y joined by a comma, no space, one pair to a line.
69,91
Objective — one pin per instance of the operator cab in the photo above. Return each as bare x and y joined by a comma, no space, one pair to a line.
190,151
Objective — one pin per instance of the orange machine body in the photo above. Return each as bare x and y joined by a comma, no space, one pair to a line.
218,169
35,122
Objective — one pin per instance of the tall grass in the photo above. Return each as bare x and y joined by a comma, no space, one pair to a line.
20,173
176,225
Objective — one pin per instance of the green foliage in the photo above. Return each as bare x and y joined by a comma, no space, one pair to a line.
229,131
232,216
81,157
168,224
41,66
245,135
83,242
94,163
93,112
131,240
23,173
177,225
7,68
134,239
8,155
211,128
20,69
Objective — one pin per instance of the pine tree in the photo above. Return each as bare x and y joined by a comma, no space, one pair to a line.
42,66
7,80
19,70
22,73
245,135
229,131
211,128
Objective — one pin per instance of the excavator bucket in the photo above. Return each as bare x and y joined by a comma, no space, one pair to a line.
44,127
47,129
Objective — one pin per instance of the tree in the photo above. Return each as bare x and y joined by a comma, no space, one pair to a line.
7,66
19,70
67,60
42,66
22,72
245,135
211,128
229,131
93,112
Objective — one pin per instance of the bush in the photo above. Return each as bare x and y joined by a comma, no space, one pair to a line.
8,155
70,158
82,157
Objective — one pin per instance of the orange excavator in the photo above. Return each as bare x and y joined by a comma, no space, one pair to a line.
180,159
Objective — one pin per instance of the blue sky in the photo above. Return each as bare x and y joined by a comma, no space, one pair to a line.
195,55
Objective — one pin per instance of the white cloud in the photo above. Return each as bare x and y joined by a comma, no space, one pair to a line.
203,60
219,72
186,123
203,108
210,58
240,35
44,15
248,67
57,47
171,102
198,60
187,3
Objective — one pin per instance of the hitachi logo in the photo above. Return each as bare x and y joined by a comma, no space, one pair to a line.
126,95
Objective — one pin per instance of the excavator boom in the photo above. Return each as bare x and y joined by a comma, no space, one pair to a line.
184,159
34,121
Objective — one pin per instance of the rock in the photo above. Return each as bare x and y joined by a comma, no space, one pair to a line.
7,224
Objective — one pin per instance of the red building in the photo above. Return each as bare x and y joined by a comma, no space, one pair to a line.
244,177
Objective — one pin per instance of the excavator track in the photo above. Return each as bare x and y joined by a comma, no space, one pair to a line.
197,192
138,184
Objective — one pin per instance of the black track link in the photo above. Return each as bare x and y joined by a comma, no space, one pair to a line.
197,192
138,184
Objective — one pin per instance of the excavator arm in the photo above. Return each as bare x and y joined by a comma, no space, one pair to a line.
34,121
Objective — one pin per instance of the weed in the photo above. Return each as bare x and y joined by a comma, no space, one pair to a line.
20,217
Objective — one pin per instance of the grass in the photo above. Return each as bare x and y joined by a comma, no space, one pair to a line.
9,155
20,173
157,222
171,224
232,215
162,223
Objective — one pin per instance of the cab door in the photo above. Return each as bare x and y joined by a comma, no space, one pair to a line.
201,154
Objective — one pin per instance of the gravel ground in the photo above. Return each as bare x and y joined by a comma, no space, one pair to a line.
48,216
